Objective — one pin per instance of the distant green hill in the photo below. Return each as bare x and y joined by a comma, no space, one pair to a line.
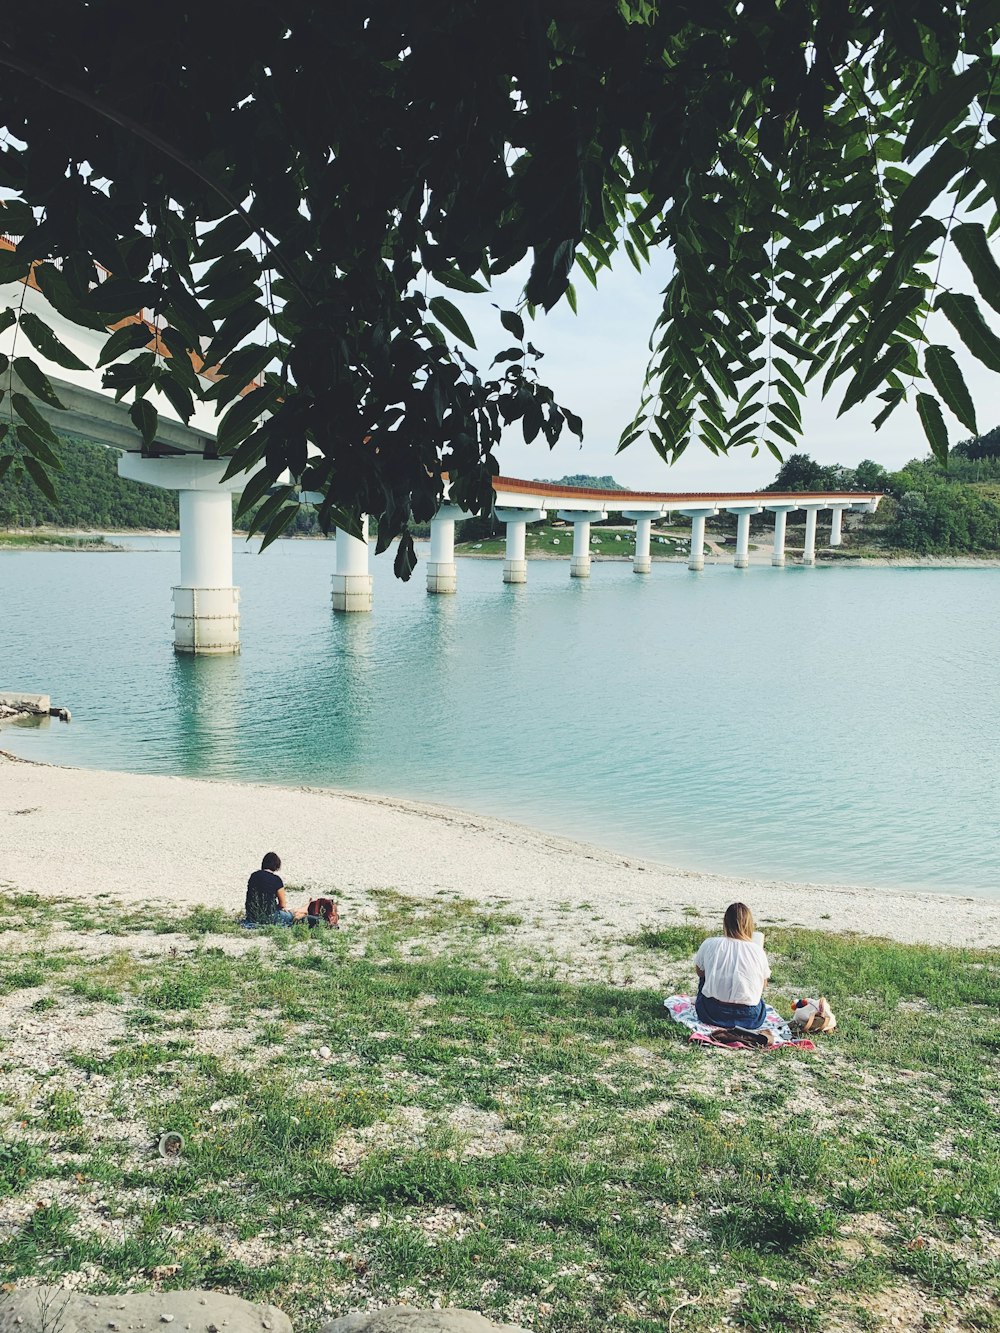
90,495
581,479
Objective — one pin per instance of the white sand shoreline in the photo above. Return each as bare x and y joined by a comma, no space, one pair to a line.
77,832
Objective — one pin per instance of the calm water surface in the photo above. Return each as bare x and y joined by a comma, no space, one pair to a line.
830,724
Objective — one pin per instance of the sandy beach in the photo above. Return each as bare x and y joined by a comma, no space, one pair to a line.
72,832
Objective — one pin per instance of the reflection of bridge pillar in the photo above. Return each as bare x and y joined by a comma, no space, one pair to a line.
515,566
442,573
809,547
206,605
579,567
352,584
696,560
781,513
642,562
742,512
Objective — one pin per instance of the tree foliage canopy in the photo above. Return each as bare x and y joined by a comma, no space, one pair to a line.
289,187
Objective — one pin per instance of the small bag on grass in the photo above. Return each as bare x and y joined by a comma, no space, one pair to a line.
323,911
813,1016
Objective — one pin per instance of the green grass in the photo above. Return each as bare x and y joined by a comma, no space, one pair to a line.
29,540
485,1133
549,539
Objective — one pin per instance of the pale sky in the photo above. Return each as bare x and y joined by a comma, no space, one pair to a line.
595,362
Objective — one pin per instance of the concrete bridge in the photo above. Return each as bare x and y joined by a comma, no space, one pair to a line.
184,458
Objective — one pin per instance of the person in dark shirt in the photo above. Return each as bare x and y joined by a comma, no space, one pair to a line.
266,902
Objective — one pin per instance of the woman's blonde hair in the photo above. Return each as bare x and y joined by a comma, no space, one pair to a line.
738,922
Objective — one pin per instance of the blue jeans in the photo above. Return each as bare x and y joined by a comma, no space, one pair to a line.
279,917
718,1015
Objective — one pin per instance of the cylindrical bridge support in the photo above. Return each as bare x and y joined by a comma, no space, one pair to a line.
515,566
696,559
743,513
352,583
206,605
642,562
836,521
780,519
809,547
442,572
579,567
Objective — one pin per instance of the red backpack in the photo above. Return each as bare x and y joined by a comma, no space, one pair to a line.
323,910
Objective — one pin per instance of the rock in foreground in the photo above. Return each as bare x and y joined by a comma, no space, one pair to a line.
54,1310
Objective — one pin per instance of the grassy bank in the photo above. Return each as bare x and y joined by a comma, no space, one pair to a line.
485,1132
27,540
546,539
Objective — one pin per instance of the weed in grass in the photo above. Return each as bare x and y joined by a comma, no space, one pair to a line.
776,1222
60,1110
98,992
763,1310
22,977
675,942
20,1163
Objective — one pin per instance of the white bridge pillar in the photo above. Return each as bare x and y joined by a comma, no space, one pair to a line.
579,566
809,547
742,512
352,583
696,560
643,520
836,520
780,513
515,566
442,572
206,605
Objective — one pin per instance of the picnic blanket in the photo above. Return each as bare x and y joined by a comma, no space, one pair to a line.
681,1009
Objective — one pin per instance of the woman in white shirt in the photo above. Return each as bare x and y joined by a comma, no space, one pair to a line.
732,973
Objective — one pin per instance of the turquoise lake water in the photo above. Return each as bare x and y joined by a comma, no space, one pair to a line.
835,725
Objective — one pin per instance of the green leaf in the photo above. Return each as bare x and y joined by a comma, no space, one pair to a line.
231,232
31,416
239,420
869,377
452,318
38,448
406,558
45,341
944,373
513,323
963,313
237,327
40,477
7,459
129,338
239,370
177,395
457,280
255,490
933,177
145,419
939,111
270,507
571,295
118,297
278,525
35,381
7,318
933,424
973,245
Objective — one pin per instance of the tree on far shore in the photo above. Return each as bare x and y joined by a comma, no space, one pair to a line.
305,195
